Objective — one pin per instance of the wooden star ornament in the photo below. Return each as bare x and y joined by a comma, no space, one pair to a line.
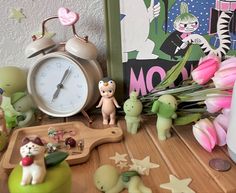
119,158
178,186
17,14
144,165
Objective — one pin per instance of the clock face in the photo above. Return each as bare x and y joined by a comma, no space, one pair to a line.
58,86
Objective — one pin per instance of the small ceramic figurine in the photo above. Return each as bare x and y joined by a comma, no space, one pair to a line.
165,108
33,164
133,108
23,103
108,180
108,102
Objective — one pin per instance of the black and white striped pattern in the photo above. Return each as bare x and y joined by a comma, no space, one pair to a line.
223,34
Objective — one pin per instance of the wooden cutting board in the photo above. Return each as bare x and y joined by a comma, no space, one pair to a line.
90,137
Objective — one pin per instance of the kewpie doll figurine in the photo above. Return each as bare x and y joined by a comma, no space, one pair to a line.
165,108
108,180
108,102
133,108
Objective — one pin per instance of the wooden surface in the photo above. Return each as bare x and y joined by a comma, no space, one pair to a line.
180,155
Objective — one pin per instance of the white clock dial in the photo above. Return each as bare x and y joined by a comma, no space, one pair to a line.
59,85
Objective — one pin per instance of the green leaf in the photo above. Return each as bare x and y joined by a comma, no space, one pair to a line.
55,158
187,118
127,175
174,72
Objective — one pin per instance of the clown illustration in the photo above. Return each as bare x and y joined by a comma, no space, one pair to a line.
184,25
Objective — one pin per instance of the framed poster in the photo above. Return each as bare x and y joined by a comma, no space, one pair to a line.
146,38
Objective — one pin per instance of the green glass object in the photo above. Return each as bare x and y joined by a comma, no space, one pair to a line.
133,108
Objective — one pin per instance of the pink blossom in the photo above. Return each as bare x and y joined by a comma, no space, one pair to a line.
221,123
216,102
205,134
206,69
226,75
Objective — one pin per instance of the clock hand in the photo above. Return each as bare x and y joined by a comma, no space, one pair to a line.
60,85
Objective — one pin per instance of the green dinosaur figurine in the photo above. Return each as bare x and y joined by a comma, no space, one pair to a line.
133,108
23,104
165,108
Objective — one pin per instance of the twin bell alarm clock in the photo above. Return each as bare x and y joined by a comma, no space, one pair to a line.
64,81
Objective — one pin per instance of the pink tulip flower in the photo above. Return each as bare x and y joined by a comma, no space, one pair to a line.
216,102
205,134
221,123
226,75
206,69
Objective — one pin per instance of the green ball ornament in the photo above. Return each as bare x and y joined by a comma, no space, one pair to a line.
12,79
58,180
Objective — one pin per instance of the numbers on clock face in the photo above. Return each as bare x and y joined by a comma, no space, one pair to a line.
73,92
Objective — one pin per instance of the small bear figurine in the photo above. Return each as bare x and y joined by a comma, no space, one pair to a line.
108,102
33,163
165,108
23,104
133,108
108,180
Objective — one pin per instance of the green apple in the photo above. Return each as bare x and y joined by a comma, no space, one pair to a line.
58,180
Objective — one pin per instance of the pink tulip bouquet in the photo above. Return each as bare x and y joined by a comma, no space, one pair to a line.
204,100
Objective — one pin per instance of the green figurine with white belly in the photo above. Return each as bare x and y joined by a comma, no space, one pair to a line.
108,180
133,108
165,108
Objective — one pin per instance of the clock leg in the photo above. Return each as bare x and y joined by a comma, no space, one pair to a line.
85,114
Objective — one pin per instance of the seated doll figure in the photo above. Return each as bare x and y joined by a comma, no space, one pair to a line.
133,108
108,102
23,103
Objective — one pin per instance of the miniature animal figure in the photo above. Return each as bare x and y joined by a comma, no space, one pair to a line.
108,102
133,108
108,180
165,108
33,164
23,104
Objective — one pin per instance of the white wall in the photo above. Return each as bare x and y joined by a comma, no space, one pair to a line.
14,36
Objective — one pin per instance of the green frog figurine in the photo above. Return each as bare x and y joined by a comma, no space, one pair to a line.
165,108
133,108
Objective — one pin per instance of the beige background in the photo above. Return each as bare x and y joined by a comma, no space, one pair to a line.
14,36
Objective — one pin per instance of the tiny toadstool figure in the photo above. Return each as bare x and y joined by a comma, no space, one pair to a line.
108,180
165,108
133,108
108,102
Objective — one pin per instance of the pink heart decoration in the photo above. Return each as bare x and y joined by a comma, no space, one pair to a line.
67,17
